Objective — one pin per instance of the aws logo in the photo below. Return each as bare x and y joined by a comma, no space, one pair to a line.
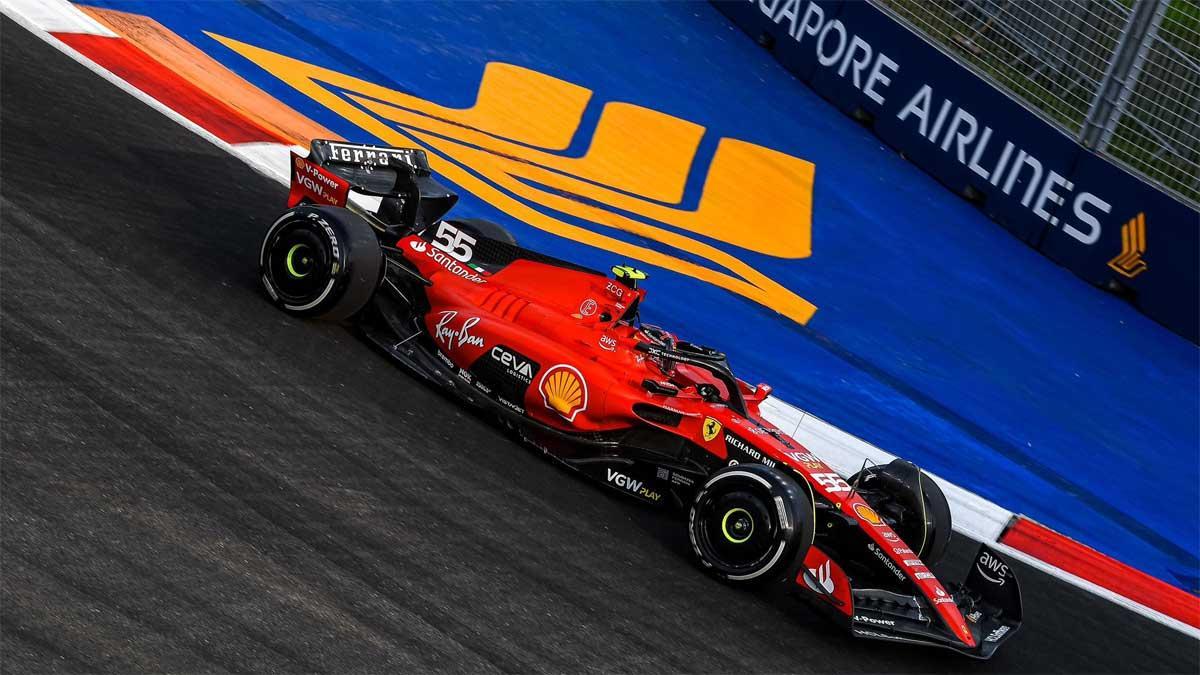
510,149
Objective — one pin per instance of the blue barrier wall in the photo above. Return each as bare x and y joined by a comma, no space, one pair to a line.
938,336
1034,180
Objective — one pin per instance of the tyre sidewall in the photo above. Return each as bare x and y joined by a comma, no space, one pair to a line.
915,489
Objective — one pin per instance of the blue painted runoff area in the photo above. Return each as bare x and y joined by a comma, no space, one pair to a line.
939,336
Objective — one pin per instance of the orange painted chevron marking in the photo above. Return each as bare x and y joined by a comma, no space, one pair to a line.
204,73
507,150
141,71
1129,262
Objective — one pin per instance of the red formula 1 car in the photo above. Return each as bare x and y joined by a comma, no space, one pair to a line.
556,352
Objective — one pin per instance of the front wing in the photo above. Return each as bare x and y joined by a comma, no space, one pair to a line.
989,599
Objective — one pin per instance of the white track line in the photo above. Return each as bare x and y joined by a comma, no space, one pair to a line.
60,12
54,16
973,515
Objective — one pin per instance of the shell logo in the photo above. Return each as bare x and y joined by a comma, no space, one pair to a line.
868,514
564,391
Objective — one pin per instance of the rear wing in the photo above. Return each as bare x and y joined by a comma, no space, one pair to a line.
401,178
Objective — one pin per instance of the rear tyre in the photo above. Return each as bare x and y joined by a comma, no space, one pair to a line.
907,497
486,228
750,523
320,262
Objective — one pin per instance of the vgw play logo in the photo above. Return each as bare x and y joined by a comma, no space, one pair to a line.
508,149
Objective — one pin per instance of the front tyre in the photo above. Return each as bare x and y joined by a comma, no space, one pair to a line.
320,262
750,523
912,503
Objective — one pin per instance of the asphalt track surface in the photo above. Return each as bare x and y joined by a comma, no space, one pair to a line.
192,481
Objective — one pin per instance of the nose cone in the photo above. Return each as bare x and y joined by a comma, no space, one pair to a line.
946,608
958,624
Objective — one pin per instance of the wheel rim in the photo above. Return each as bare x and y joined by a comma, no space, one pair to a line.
299,261
299,265
736,532
737,525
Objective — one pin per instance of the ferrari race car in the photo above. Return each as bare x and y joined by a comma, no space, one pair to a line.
557,354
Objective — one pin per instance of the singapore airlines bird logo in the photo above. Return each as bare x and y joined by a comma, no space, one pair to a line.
1129,262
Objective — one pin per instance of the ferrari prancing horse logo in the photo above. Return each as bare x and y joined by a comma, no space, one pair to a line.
712,428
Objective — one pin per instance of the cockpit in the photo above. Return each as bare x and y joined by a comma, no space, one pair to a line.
688,366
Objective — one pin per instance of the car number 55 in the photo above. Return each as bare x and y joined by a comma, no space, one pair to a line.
455,242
